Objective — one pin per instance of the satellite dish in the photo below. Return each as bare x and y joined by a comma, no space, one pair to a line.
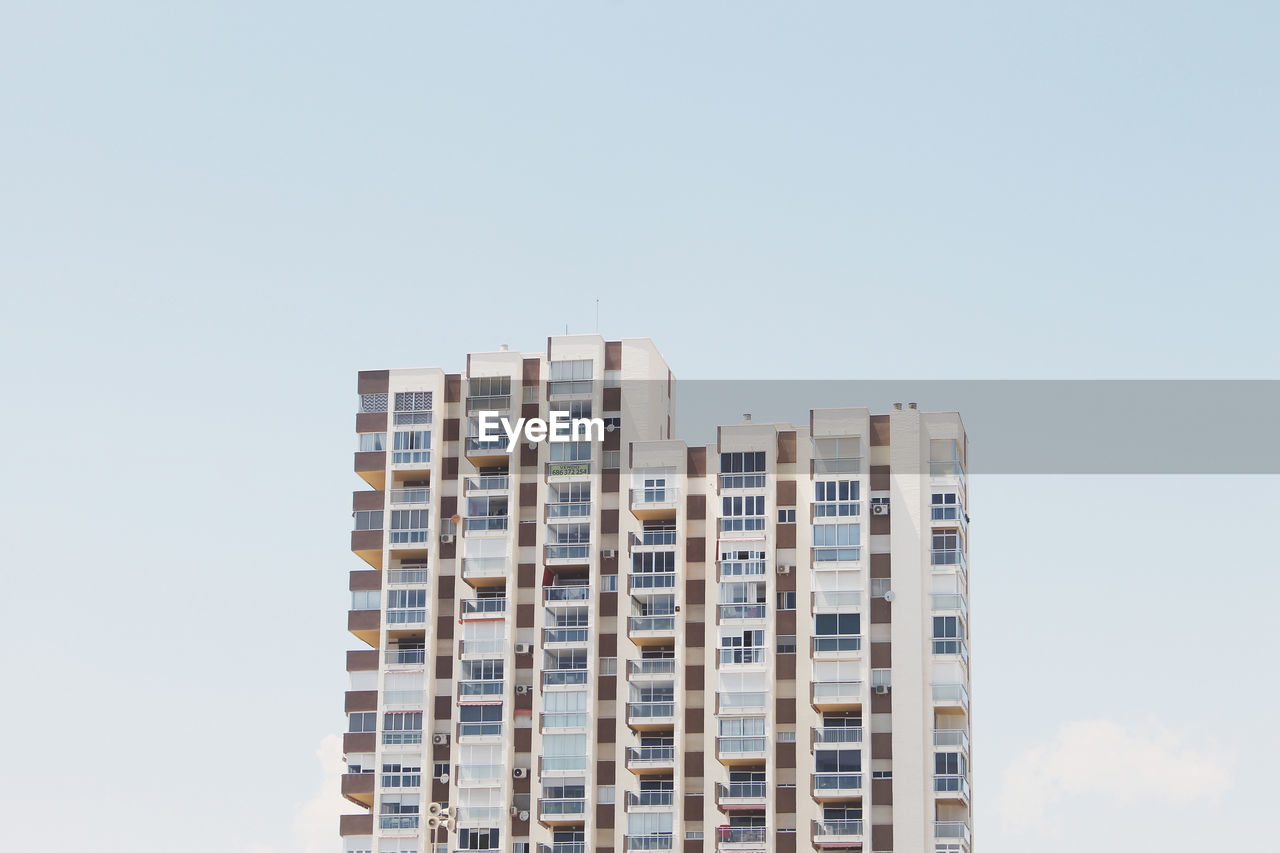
890,596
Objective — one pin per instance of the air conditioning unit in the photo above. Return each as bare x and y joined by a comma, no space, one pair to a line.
524,816
784,570
879,509
609,554
523,688
520,773
882,689
446,538
441,739
524,648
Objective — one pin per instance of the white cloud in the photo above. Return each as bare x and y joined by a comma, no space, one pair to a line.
315,824
1105,759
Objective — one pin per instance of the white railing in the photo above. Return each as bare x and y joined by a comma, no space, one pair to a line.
951,737
836,599
650,754
480,688
741,701
837,734
482,606
650,798
654,841
730,745
835,691
951,829
742,611
483,647
951,784
836,827
410,496
838,465
657,496
484,567
836,782
650,710
664,624
651,666
487,523
951,693
741,834
950,601
397,577
405,657
553,594
562,806
489,483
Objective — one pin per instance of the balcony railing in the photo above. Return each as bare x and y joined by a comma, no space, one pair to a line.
838,828
561,677
651,624
836,644
742,790
741,834
580,552
405,657
651,666
741,701
563,847
557,594
487,523
834,600
654,502
841,554
643,799
951,829
480,689
736,745
409,536
405,577
483,647
948,557
489,483
562,636
477,446
951,784
742,568
479,607
642,711
406,616
837,734
730,612
655,841
748,655
742,481
836,782
838,465
950,601
488,403
480,730
561,806
410,496
951,737
652,580
951,694
835,692
569,509
484,567
654,538
650,755
398,821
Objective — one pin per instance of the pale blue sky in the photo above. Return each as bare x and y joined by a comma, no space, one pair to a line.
213,214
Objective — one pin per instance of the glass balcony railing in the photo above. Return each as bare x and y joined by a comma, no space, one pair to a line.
734,745
829,782
479,730
833,643
480,689
741,834
405,657
568,552
951,737
654,841
741,701
651,666
655,538
489,483
730,612
838,465
570,509
652,580
562,677
834,692
956,694
405,577
561,806
650,710
487,523
553,636
749,655
651,624
837,734
650,798
951,829
410,496
554,594
651,754
398,821
483,606
840,828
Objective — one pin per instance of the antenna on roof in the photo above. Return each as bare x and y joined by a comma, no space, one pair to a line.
597,315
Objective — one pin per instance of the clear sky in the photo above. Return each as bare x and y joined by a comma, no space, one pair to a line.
213,214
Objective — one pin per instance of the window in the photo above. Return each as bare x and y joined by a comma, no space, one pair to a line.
611,459
570,451
479,721
478,839
735,563
609,666
402,774
608,583
370,519
946,547
487,513
614,421
605,795
411,447
881,774
742,470
362,722
835,499
366,599
836,542
406,606
413,407
837,455
742,513
373,442
744,647
409,525
402,727
786,644
440,768
948,635
569,377
786,737
488,392
787,600
787,516
945,506
370,403
881,678
837,632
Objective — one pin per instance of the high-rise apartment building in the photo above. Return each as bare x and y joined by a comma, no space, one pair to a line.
632,644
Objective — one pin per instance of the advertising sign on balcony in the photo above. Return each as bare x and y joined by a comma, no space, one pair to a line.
568,469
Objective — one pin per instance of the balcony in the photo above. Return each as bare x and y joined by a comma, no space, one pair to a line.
654,841
835,695
563,677
951,787
408,577
741,703
480,732
741,750
574,554
480,691
741,837
487,452
836,557
562,510
837,647
950,602
559,638
566,720
643,716
951,737
742,612
741,795
399,821
952,830
553,595
487,525
650,759
561,810
365,624
484,571
836,786
487,484
743,656
941,559
646,669
837,833
371,466
486,648
406,617
651,630
411,658
836,734
358,788
660,539
410,497
484,608
836,465
835,600
654,504
649,800
649,581
951,696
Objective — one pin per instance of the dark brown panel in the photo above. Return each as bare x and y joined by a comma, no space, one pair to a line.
881,611
524,615
787,582
695,634
608,604
360,742
693,720
361,700
785,755
367,500
448,506
613,355
786,799
444,628
608,645
693,807
528,536
528,495
786,447
613,399
523,786
364,581
697,462
524,739
695,549
449,469
357,783
607,687
606,772
881,655
786,622
882,836
531,371
528,456
612,440
696,507
604,816
880,566
693,846
879,478
882,792
879,430
695,591
524,701
608,565
785,842
784,710
362,660
610,478
439,751
444,666
882,703
355,824
694,674
453,387
880,525
364,620
529,411
371,422
366,540
786,535
786,492
373,382
525,575
607,730
786,667
609,521
882,745
693,765
445,587
443,708
451,429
